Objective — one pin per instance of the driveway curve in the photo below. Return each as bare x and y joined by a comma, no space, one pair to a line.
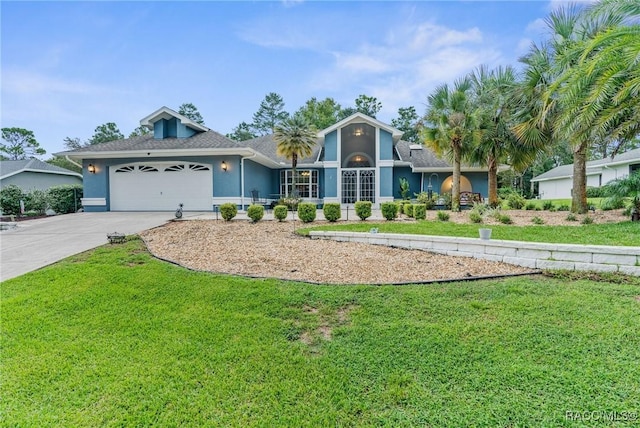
37,243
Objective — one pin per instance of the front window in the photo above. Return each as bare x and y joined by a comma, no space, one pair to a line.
306,183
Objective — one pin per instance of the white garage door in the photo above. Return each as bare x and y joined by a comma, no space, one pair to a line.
161,186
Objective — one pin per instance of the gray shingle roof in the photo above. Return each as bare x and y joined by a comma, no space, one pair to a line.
420,158
567,170
11,167
268,147
202,140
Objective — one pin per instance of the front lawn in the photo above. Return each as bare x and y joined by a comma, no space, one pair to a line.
623,233
114,337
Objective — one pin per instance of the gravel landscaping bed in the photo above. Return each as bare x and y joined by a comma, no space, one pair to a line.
270,249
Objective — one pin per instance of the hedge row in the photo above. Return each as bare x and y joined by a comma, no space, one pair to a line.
61,199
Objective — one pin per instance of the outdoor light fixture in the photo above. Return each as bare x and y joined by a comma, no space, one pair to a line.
224,166
91,168
358,132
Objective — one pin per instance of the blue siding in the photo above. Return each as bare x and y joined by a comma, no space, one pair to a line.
386,145
96,185
226,183
166,128
386,181
331,183
257,177
479,182
413,178
331,146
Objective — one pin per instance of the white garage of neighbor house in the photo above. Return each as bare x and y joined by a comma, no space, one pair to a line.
558,182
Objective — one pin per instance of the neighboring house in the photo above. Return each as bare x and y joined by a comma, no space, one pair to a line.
30,174
181,161
558,182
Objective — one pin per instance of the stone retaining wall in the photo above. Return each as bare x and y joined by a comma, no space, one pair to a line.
600,258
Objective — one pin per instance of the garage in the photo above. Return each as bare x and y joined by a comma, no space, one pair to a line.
161,186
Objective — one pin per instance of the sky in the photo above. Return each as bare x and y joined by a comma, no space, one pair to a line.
67,67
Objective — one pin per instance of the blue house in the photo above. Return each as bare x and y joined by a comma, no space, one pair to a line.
181,161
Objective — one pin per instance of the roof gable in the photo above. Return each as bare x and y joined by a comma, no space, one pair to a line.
359,118
165,113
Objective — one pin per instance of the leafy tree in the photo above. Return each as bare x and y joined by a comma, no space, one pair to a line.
407,122
106,132
294,138
191,111
73,143
270,113
346,112
242,132
139,131
320,114
21,144
64,163
450,126
368,105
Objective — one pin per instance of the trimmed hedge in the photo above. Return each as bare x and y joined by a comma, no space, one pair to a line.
389,210
420,211
332,211
228,211
255,212
280,212
408,210
307,211
10,198
363,209
65,199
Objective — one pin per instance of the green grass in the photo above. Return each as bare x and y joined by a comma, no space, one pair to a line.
624,233
114,337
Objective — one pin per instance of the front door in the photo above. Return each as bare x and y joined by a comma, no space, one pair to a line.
358,184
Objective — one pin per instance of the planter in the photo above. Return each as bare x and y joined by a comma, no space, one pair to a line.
485,233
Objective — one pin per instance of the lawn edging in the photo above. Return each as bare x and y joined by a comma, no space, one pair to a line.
599,258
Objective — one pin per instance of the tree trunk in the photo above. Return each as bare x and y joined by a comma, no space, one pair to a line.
579,194
493,181
455,187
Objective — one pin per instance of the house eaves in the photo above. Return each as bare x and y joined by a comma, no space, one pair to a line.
167,113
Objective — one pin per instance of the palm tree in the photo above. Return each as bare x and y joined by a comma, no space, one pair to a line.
495,92
295,139
626,187
450,127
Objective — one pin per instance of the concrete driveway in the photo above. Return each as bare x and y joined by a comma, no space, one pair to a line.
37,243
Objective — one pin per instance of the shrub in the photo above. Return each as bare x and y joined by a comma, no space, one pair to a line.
36,201
505,219
563,207
255,212
571,217
228,211
404,188
332,211
612,204
547,205
496,204
290,203
307,211
443,216
408,210
595,192
516,201
389,210
423,198
587,220
400,205
65,199
530,206
10,198
420,211
445,200
280,212
553,209
537,220
363,209
475,217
